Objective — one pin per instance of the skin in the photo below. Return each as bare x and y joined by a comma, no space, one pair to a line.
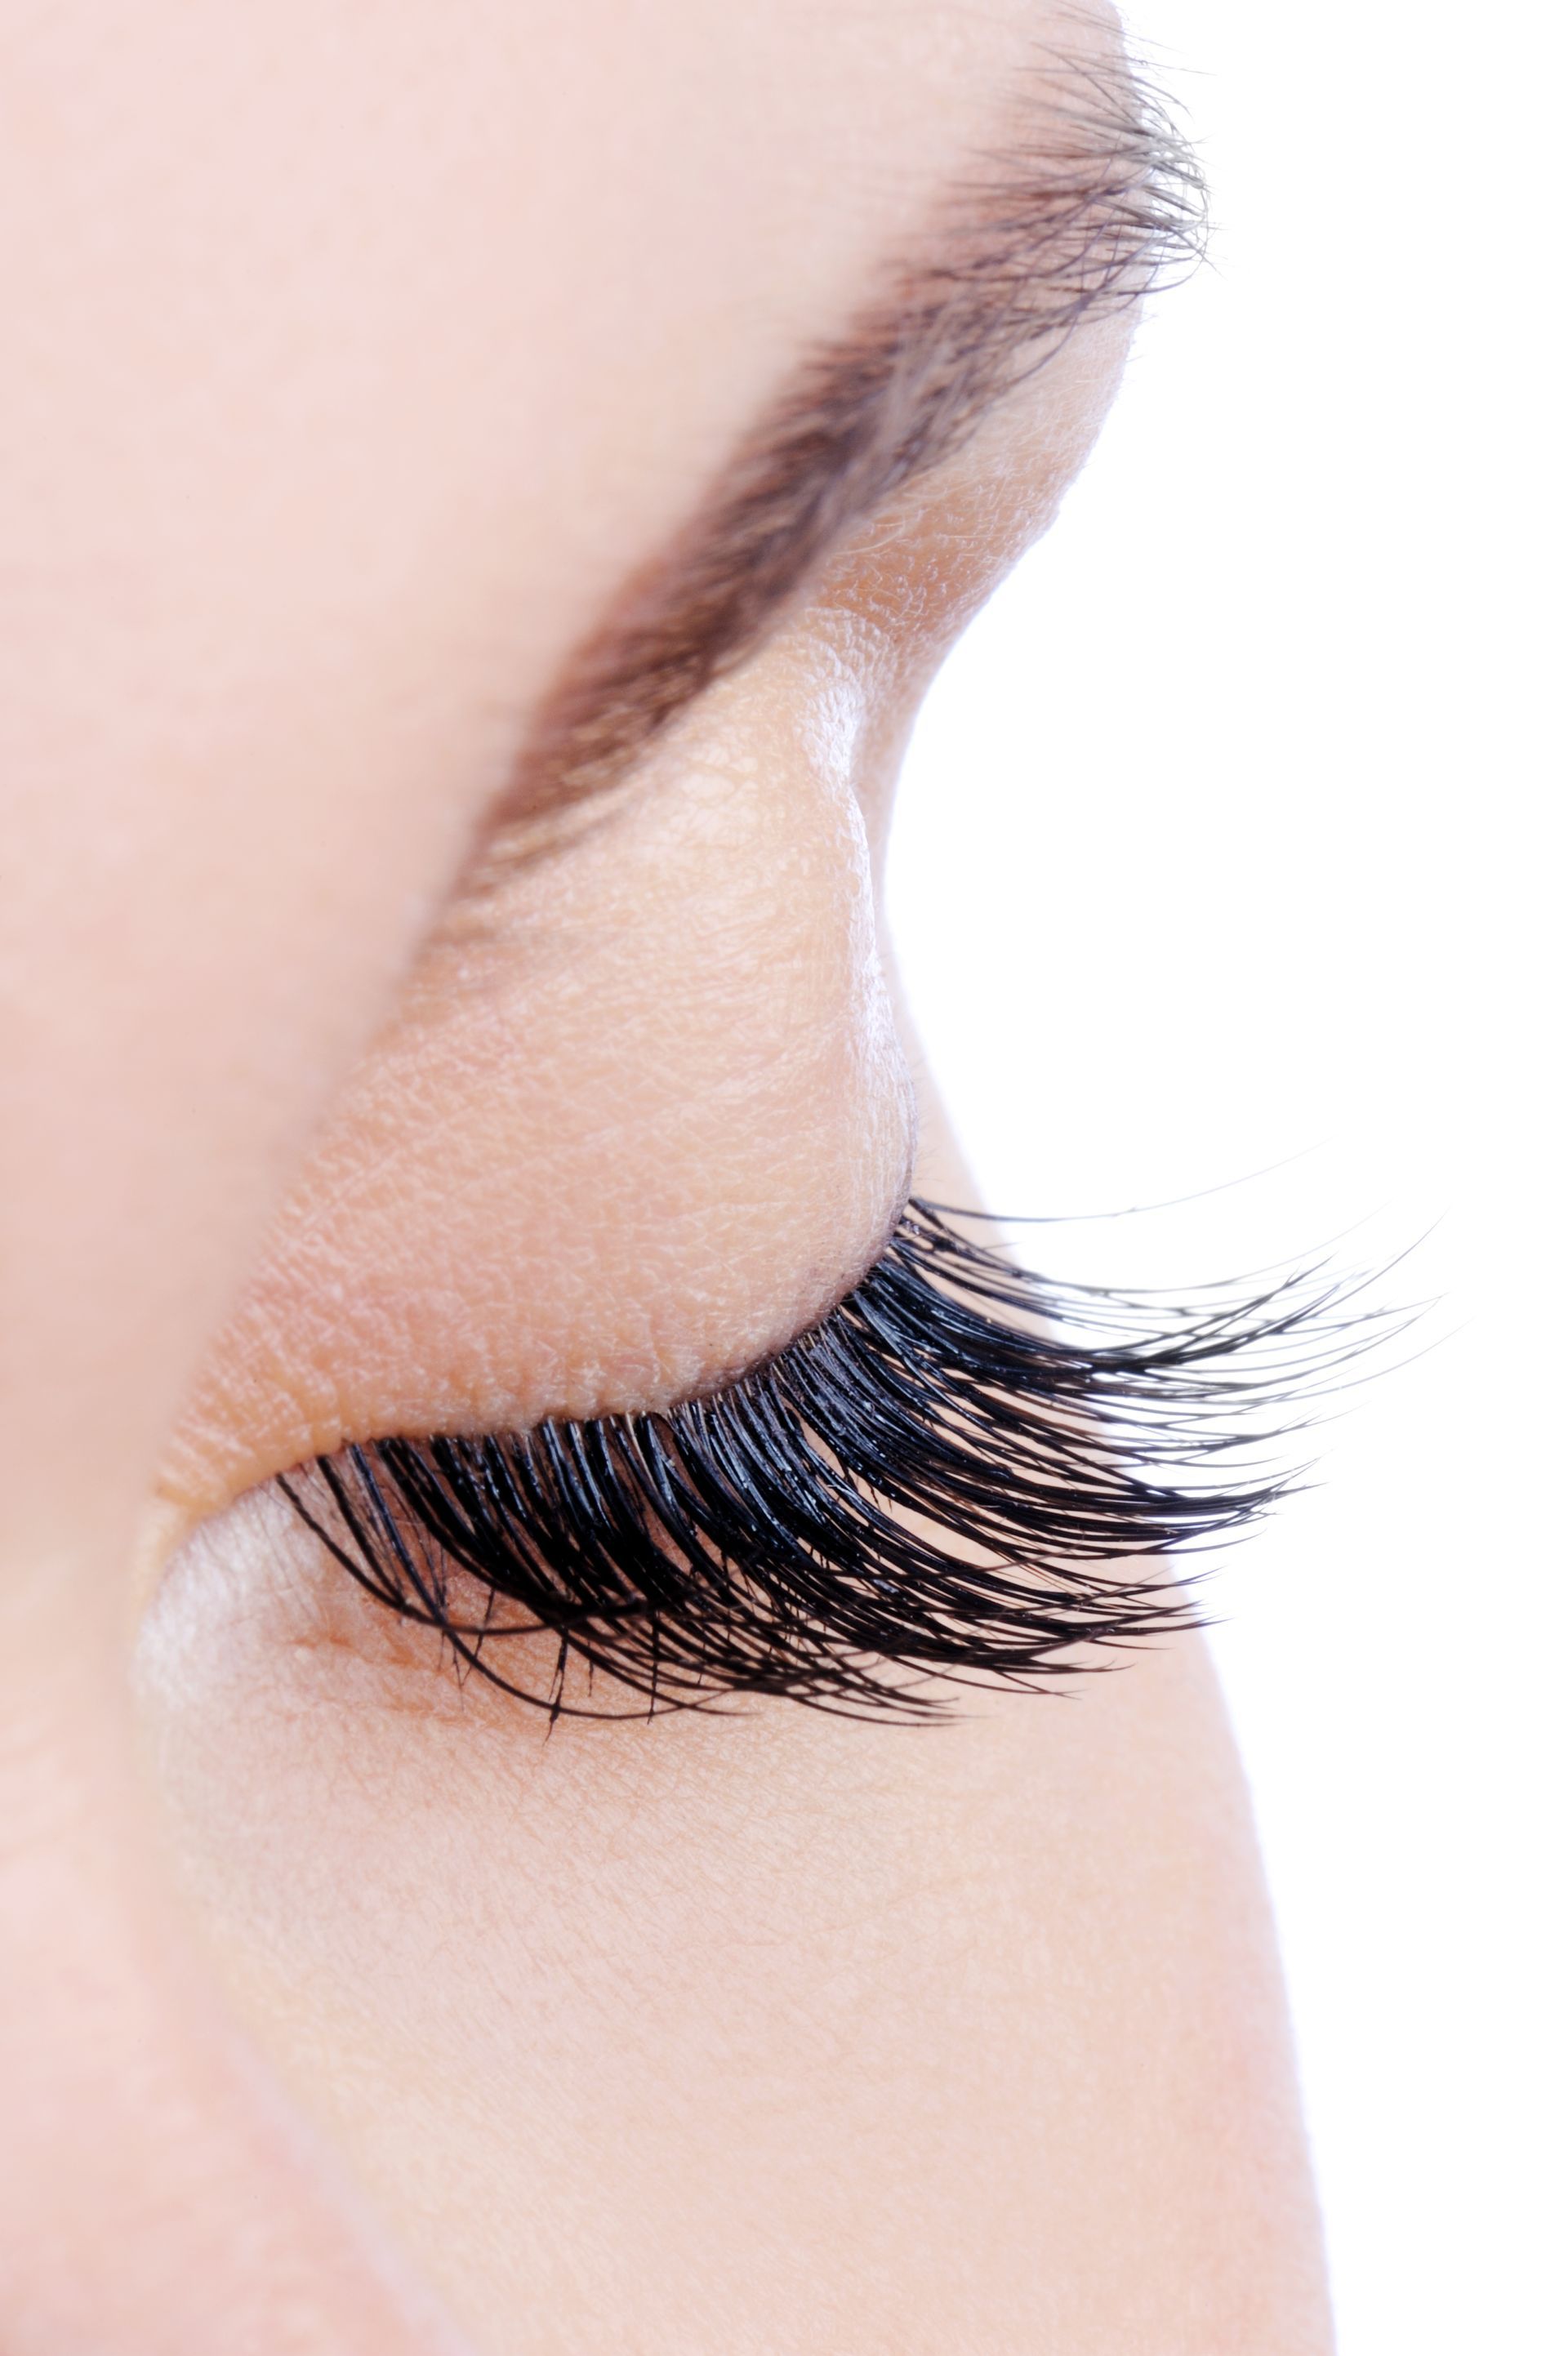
339,2010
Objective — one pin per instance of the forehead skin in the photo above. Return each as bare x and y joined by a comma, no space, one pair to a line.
356,354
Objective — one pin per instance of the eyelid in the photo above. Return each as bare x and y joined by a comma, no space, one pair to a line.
948,1481
653,1126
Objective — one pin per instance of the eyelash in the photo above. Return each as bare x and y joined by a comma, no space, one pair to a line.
1044,1436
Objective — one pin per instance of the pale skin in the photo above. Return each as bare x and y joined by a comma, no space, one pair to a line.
354,367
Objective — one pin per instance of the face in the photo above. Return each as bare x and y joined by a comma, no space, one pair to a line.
484,518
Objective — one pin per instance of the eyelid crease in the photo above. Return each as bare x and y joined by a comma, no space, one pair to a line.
947,1483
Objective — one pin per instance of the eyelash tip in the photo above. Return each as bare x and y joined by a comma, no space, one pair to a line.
947,1483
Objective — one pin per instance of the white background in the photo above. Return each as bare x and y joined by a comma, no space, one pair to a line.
1230,835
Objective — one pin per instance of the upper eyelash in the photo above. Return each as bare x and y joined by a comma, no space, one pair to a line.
746,1541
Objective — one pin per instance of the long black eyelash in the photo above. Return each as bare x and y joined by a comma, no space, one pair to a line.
963,1476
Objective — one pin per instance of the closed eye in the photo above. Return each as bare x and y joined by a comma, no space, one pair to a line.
962,1475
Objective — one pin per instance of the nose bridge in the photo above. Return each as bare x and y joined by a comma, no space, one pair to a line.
158,2194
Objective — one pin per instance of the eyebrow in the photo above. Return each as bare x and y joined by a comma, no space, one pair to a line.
1097,201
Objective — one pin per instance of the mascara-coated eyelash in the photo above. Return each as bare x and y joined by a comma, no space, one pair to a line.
964,1474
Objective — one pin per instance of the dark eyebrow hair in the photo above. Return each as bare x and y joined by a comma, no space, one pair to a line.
1097,201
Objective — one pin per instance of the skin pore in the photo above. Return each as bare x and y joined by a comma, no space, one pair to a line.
333,1990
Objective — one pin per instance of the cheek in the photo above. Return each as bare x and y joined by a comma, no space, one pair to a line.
642,1121
872,2039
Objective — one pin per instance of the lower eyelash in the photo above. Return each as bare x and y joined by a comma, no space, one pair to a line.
945,1483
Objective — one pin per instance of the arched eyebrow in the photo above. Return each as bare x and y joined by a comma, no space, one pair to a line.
1098,200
